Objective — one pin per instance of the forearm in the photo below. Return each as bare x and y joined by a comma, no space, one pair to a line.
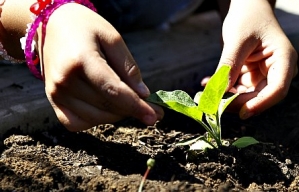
225,4
14,19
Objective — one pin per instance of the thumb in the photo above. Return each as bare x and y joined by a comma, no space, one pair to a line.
234,54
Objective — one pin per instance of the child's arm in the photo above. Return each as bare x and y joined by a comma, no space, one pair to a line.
90,76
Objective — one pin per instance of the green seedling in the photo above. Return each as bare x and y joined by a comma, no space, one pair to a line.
206,108
150,164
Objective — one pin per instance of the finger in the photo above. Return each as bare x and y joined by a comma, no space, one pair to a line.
246,95
234,54
251,79
78,110
264,51
73,122
233,90
270,92
74,113
204,81
123,63
248,67
241,88
88,93
260,86
92,98
118,96
263,100
70,121
239,101
159,110
281,66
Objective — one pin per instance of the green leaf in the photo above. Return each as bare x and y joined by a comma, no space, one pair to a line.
214,91
201,145
225,101
177,100
244,142
197,97
212,121
164,97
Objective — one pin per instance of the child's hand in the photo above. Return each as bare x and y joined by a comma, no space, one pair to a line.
90,76
262,58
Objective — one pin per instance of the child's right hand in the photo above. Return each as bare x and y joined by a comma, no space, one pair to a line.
90,76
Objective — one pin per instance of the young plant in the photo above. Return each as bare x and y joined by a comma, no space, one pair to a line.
206,108
150,164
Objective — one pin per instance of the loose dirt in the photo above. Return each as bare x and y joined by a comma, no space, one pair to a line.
113,157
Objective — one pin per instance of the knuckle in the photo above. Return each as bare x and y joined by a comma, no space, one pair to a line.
110,89
131,67
111,100
113,37
52,88
116,37
110,92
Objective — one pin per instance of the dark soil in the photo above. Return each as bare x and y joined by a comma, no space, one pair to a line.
113,157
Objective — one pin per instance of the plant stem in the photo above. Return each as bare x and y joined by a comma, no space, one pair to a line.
143,179
150,163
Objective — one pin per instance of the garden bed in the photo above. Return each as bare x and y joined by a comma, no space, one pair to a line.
113,157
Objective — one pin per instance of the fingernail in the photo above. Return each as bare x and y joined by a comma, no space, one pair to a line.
160,116
158,110
149,119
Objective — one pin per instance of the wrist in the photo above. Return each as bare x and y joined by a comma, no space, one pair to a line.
42,10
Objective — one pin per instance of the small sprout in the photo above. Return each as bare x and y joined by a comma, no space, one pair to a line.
150,164
206,108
